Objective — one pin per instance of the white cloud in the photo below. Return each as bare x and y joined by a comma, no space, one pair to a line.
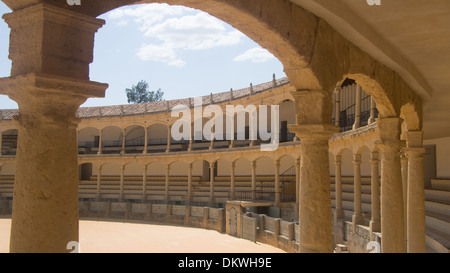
178,29
255,55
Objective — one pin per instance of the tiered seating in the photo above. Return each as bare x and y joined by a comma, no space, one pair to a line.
6,186
437,209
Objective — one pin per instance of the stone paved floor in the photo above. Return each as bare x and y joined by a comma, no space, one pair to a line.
118,237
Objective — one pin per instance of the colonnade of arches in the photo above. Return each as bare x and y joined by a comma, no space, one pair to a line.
212,182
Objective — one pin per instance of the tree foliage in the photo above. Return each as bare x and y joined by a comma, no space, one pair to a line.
140,93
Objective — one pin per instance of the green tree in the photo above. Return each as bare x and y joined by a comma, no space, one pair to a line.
140,93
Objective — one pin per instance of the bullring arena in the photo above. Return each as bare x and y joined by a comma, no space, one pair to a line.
361,132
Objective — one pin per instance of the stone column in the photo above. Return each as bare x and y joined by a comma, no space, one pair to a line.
357,218
373,108
99,181
404,170
189,193
297,180
337,105
124,136
416,193
169,138
392,221
145,141
339,211
144,183
375,224
212,198
49,81
233,183
100,141
122,173
253,167
313,109
1,142
191,140
166,194
357,107
277,183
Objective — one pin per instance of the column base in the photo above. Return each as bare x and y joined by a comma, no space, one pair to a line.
339,214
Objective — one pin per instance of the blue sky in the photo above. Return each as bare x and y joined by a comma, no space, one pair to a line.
183,51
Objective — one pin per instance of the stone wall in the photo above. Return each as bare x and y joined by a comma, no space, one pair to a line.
201,217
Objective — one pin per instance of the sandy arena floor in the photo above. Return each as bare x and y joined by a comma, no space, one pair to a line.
119,237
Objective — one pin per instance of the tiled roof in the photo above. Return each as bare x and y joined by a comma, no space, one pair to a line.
159,106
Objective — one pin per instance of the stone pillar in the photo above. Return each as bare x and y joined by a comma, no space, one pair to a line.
166,194
233,183
99,181
339,211
313,109
49,81
122,173
189,193
357,218
212,198
124,136
404,170
145,141
357,123
1,142
392,221
373,108
337,105
100,141
375,224
253,167
144,183
191,140
416,193
277,183
297,181
169,138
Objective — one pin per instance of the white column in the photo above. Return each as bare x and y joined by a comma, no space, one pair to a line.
192,138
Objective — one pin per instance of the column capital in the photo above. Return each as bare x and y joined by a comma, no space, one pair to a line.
414,139
49,39
356,159
338,159
389,130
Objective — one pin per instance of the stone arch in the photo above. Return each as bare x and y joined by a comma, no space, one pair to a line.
111,139
412,116
134,138
88,140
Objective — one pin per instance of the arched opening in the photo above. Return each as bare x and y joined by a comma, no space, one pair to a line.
111,140
88,141
155,188
178,183
7,172
200,182
157,138
134,139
